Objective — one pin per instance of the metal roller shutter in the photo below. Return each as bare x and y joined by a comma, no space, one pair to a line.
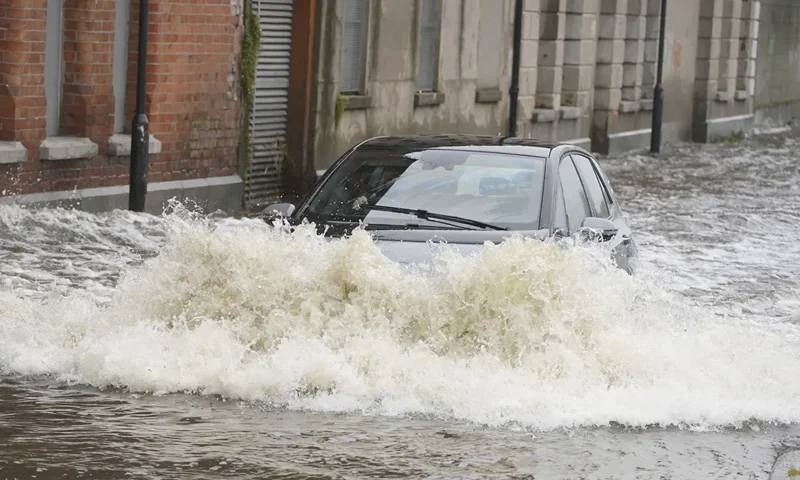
269,115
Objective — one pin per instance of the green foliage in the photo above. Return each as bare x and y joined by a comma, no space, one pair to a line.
341,104
251,44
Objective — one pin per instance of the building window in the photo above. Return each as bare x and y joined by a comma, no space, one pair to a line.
490,44
429,30
354,46
54,65
120,75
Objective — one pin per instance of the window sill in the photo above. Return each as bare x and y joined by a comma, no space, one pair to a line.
12,152
646,105
66,148
740,95
488,95
629,106
549,115
357,102
545,115
723,97
119,145
570,113
425,99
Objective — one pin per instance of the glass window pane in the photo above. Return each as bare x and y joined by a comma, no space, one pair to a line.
593,187
505,190
354,46
574,196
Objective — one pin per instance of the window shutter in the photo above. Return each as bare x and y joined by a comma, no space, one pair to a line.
428,44
353,46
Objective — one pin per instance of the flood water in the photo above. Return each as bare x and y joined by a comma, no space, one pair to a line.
134,346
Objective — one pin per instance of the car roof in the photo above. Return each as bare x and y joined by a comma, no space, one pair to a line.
485,143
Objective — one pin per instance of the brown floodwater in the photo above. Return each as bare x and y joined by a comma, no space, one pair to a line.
134,346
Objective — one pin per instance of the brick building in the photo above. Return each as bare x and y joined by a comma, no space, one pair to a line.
67,96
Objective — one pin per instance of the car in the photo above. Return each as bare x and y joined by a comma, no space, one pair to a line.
464,190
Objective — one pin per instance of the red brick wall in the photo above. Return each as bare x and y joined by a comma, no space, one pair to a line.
192,94
87,108
22,102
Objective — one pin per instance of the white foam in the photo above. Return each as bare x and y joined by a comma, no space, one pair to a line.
525,332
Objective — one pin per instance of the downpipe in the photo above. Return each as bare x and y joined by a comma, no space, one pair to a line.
515,63
140,136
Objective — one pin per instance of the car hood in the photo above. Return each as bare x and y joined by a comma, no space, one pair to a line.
417,247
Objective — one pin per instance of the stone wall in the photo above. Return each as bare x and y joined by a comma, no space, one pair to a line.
777,69
587,72
726,57
471,93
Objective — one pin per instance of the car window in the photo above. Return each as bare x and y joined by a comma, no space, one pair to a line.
593,188
576,203
560,212
502,189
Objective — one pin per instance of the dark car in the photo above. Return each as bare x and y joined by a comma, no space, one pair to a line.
463,190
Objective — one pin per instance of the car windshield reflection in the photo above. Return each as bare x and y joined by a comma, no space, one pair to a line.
493,188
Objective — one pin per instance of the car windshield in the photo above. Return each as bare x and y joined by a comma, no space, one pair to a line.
499,189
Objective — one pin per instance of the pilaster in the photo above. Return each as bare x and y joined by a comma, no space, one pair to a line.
551,54
652,30
725,70
729,50
580,48
748,46
633,63
528,75
609,71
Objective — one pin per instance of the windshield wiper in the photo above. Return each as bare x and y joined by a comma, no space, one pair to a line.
426,215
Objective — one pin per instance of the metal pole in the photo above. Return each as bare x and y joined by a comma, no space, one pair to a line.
140,136
514,90
658,94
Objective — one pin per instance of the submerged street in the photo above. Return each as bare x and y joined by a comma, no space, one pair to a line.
134,346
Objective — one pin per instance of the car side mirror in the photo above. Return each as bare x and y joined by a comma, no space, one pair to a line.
598,229
276,211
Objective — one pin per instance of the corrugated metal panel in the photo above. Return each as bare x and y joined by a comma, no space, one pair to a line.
269,116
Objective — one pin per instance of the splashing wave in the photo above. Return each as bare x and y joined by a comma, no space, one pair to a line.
525,332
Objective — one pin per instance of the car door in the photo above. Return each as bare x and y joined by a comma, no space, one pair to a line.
572,203
601,203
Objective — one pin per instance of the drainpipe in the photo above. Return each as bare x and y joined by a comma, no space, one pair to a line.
514,90
658,95
140,137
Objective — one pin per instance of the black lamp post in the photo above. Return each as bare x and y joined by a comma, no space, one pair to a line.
140,137
658,96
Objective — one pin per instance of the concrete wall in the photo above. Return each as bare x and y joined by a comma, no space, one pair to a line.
389,103
587,73
726,57
630,120
777,85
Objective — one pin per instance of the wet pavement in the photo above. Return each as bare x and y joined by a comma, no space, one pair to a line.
181,347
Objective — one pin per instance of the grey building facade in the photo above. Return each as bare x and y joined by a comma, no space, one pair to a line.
587,69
